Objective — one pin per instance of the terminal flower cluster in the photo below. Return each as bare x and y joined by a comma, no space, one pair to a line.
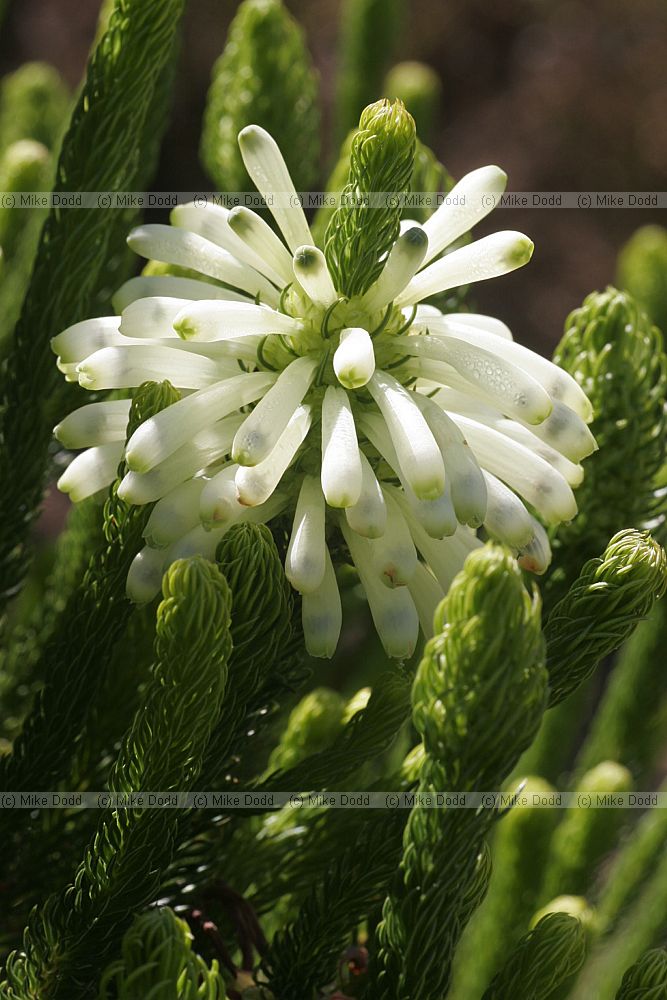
373,421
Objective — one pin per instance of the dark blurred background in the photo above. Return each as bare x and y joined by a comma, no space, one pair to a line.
562,95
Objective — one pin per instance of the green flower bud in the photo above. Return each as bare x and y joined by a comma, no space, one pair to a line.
543,960
646,979
585,836
420,89
602,608
263,77
616,355
642,271
362,230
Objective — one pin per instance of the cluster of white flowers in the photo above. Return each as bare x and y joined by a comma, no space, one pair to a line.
401,428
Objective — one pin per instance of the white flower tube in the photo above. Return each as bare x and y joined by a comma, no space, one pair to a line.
467,484
571,472
354,358
481,322
96,423
206,447
175,514
258,235
151,318
256,484
437,516
312,273
507,386
212,222
342,474
204,541
211,321
148,286
539,483
536,556
445,556
393,611
218,501
465,205
305,562
177,246
144,579
394,555
91,471
427,594
161,435
486,258
82,339
404,260
265,164
565,431
506,517
260,431
368,516
322,614
558,383
417,451
127,367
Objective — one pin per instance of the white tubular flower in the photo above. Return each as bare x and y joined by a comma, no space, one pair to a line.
466,204
403,262
259,432
306,554
426,593
486,258
370,422
342,473
368,516
96,423
354,360
322,613
310,270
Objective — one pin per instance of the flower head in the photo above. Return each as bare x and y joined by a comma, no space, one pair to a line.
366,415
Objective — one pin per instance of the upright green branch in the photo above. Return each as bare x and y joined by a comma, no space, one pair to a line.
73,933
110,144
646,979
263,77
74,660
520,850
157,957
611,347
542,961
478,698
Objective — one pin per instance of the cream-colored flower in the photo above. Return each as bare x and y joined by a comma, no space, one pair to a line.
376,417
